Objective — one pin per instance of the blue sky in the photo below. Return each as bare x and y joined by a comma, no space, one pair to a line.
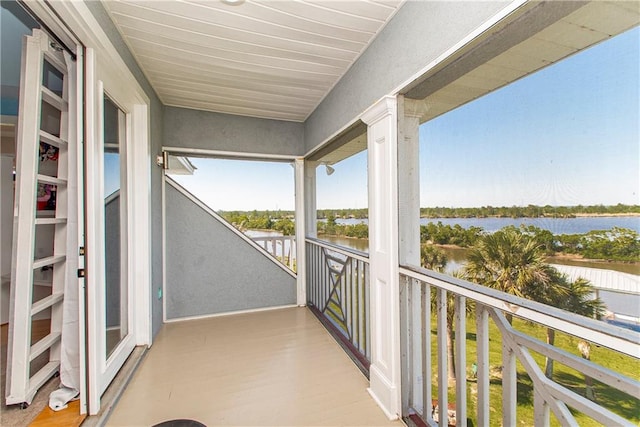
566,135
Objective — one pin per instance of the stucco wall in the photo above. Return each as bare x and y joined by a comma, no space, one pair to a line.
187,128
211,270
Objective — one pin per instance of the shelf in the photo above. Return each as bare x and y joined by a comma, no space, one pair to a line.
46,179
50,221
51,260
54,100
43,375
52,139
43,345
45,303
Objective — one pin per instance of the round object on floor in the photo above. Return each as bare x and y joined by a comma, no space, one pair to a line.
180,423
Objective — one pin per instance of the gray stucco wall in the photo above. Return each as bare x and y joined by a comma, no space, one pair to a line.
156,116
419,33
187,128
211,270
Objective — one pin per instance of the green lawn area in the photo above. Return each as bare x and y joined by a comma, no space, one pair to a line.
608,397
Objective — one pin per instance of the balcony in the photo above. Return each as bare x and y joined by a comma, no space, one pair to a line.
281,367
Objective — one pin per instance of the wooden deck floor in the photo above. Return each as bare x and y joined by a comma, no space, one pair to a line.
270,368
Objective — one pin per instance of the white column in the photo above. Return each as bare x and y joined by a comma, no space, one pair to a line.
311,215
301,257
409,114
382,142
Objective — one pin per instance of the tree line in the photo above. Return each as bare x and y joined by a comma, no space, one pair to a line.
530,211
615,244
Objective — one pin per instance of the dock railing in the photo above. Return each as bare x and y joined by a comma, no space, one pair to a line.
427,389
283,248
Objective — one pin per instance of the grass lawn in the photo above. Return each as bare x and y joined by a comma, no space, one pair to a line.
608,397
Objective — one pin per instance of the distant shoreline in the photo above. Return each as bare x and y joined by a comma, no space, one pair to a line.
570,216
632,214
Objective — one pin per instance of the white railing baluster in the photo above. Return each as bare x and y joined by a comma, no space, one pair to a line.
270,245
407,335
425,332
461,360
540,409
415,320
509,385
482,364
443,365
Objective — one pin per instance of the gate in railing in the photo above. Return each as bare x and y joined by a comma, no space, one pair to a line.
338,294
565,395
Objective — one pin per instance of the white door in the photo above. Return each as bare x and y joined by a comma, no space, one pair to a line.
110,301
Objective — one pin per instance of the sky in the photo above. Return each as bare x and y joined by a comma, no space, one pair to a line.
566,135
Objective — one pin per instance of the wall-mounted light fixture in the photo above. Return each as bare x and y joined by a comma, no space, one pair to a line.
328,168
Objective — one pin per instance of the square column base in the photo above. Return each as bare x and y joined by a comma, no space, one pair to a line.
384,393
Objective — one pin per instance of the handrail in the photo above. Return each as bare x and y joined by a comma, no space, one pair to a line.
601,333
417,286
359,255
338,294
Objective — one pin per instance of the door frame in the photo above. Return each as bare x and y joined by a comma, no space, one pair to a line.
101,79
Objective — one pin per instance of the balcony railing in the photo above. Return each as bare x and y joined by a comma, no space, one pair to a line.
283,248
426,380
338,294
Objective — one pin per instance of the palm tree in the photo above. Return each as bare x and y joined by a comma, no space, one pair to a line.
433,258
579,299
513,262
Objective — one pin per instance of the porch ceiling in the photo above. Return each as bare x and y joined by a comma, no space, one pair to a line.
478,71
260,58
506,54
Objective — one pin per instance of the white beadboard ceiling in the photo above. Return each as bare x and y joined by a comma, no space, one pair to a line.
260,58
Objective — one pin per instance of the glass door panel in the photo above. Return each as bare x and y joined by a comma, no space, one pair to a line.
116,300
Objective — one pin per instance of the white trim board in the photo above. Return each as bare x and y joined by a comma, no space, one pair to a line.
239,155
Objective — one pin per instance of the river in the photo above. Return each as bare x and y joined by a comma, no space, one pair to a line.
457,256
578,225
619,303
627,304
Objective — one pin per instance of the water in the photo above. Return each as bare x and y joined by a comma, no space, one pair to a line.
616,302
579,225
